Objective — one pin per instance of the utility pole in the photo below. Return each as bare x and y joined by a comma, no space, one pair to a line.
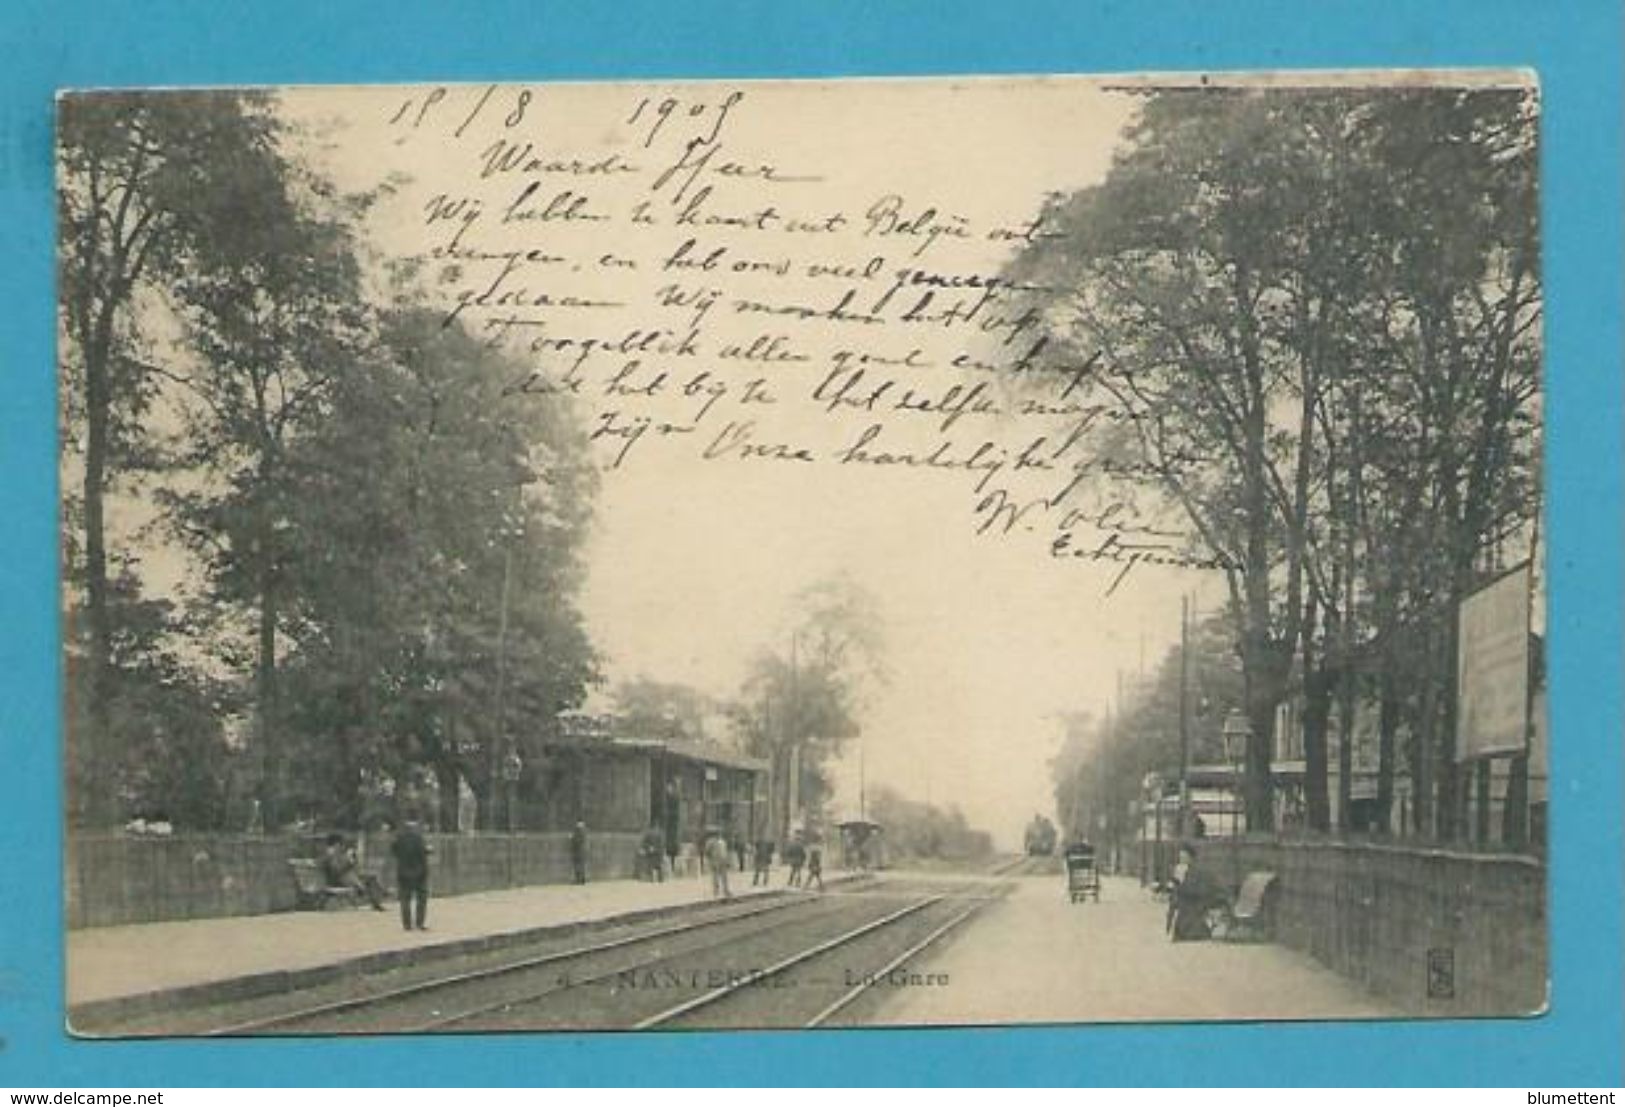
1184,716
499,739
769,820
863,782
792,742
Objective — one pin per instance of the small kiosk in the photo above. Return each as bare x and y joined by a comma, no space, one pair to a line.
863,845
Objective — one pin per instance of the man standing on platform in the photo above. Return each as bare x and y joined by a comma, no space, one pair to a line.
795,855
763,862
412,875
716,857
815,861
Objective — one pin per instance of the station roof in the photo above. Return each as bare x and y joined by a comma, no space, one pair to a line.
602,730
688,749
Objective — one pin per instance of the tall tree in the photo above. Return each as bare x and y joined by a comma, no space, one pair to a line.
434,568
804,699
132,170
662,709
272,307
1316,315
1453,357
1204,273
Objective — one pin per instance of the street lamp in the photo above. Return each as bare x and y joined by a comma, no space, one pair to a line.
508,534
1236,732
1153,790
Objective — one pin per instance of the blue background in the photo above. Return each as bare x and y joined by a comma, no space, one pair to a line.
1575,47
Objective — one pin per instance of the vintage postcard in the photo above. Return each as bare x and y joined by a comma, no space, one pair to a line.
796,554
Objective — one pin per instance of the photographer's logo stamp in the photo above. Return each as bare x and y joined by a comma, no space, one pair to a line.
1441,974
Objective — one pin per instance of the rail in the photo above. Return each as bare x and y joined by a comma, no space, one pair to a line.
285,1019
790,962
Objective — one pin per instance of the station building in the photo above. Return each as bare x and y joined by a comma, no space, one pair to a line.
605,774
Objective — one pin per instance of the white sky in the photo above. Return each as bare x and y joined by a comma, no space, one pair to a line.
693,565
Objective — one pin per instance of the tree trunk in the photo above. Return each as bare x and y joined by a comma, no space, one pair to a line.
451,795
1345,697
98,760
1515,814
485,786
1422,762
1345,746
271,768
346,794
1448,818
1265,677
1451,790
1317,710
1264,668
1387,732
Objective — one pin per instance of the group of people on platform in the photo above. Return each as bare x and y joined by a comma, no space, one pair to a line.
803,854
719,852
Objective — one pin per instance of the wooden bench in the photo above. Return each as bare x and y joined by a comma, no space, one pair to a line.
311,891
1251,915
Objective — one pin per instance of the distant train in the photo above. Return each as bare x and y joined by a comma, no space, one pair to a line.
1041,836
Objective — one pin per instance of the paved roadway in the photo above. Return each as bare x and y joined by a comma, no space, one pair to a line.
1035,957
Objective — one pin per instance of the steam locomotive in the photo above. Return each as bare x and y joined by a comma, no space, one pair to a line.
1040,837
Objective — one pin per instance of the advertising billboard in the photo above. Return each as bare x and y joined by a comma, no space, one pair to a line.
1492,669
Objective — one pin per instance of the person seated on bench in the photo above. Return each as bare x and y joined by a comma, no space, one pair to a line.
340,870
1190,900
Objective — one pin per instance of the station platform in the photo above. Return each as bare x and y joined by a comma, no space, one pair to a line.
115,971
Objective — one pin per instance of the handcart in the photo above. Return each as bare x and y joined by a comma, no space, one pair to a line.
1082,874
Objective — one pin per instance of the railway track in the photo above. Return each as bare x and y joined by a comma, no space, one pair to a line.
825,983
447,1000
796,961
1034,865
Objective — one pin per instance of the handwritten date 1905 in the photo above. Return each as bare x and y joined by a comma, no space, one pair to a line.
711,117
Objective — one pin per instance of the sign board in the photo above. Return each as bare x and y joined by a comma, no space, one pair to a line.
1492,669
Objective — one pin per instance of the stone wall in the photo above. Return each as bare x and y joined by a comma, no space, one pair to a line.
1378,914
112,879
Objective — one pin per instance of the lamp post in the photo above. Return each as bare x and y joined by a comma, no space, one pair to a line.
1153,788
508,534
1136,819
1236,732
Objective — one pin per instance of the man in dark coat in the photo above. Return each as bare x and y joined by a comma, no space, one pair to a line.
764,861
795,856
412,874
